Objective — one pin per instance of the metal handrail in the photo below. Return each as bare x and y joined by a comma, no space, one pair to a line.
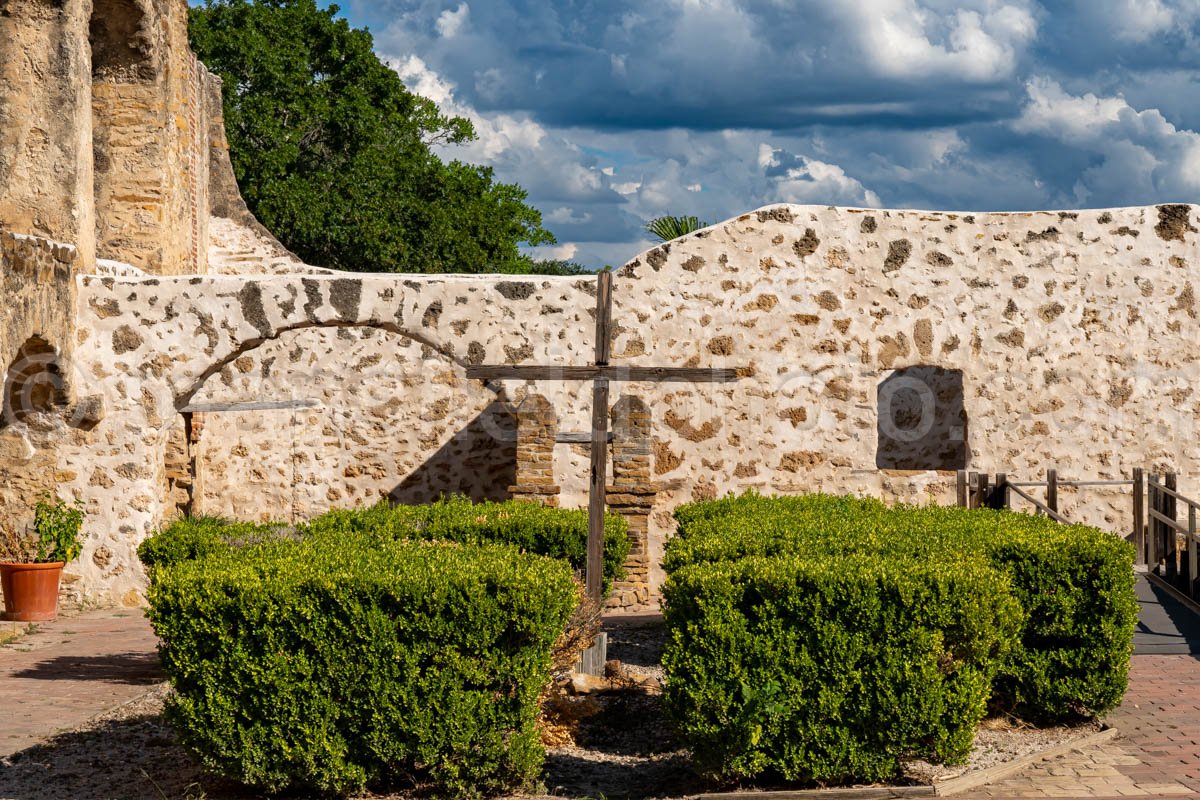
1054,515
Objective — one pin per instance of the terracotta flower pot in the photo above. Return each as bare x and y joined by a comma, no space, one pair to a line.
30,591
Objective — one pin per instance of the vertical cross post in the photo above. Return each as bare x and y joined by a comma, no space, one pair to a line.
599,469
984,498
1152,544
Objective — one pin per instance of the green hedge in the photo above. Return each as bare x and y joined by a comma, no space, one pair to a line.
335,663
190,538
531,526
831,670
837,589
555,532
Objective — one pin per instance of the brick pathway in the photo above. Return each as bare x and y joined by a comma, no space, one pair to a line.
1156,755
71,670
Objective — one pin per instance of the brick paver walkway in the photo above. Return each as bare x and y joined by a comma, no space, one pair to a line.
70,671
1156,755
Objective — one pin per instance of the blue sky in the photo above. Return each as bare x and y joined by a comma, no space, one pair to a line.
610,112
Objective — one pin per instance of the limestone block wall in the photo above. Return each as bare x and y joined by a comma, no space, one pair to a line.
46,138
373,414
150,109
1041,340
40,404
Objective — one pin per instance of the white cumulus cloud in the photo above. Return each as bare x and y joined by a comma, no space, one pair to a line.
450,23
905,39
1139,153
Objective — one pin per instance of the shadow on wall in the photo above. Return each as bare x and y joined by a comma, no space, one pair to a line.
922,424
480,461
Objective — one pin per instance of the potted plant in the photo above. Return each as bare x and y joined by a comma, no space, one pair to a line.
31,566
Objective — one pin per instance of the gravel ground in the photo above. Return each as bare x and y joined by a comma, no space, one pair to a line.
622,747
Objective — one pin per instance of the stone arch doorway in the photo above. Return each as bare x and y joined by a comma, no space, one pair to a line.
343,415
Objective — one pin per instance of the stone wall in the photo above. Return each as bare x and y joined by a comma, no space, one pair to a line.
156,347
105,142
41,409
372,414
46,138
150,101
1073,333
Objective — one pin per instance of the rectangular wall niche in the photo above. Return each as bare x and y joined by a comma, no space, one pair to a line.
922,424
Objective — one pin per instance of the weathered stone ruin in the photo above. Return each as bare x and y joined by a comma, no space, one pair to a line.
879,350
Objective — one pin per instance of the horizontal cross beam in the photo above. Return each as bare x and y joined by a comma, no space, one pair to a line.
253,405
582,437
611,372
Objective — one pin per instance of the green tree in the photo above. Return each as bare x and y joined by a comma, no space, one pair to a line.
668,228
332,152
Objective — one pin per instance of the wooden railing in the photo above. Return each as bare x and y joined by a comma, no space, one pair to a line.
1175,565
1157,532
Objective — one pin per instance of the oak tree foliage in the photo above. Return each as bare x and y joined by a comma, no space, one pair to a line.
333,153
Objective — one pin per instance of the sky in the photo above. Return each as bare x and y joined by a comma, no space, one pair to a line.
612,112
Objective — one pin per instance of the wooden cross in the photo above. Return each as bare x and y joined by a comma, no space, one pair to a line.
600,373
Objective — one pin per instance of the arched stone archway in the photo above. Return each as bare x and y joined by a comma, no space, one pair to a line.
335,424
151,344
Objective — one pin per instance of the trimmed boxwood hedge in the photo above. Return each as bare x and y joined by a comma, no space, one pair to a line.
535,528
824,638
337,662
556,532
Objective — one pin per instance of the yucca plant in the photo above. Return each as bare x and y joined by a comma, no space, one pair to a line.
668,227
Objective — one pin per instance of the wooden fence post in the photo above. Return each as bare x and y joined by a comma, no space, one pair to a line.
1000,494
1170,547
1052,490
961,489
981,501
1153,525
1139,530
1190,583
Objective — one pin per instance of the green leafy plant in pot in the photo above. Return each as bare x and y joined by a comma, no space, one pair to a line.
31,563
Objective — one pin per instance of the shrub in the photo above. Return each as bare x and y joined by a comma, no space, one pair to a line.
534,528
56,524
1072,587
831,670
333,663
190,538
